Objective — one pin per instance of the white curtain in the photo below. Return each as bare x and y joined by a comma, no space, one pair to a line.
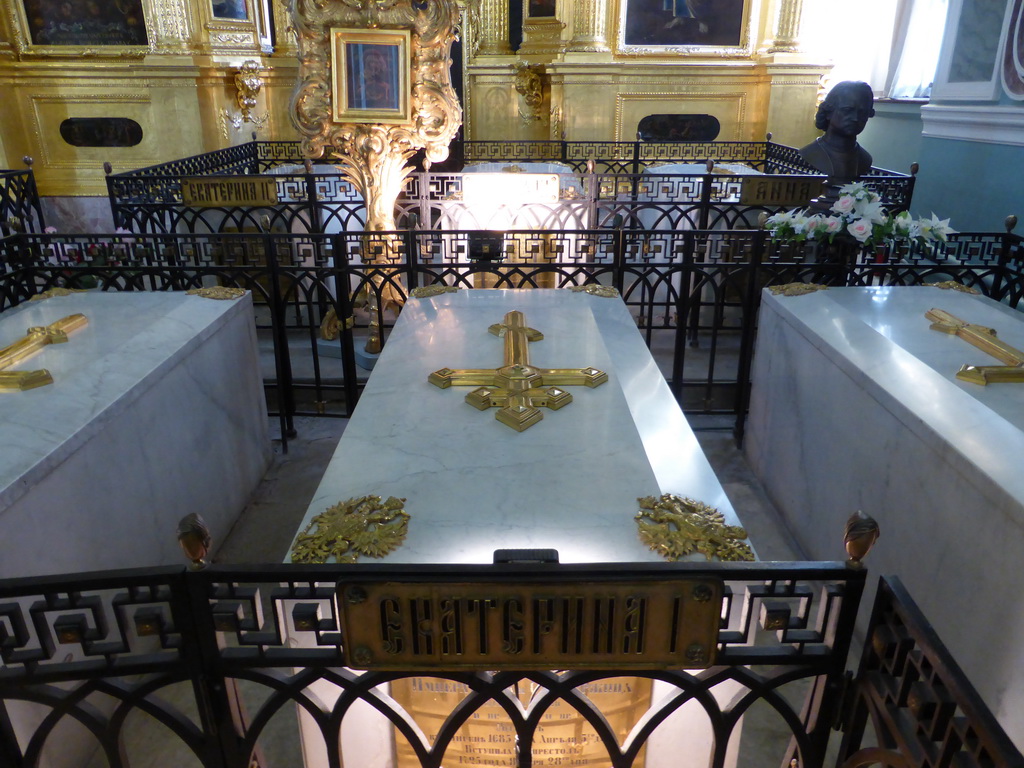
917,40
891,44
855,37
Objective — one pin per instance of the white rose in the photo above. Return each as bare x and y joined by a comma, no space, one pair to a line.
844,204
860,229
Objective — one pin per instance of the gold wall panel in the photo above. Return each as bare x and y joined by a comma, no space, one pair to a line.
729,108
41,95
600,90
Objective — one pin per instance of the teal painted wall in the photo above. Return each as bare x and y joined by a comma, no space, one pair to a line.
975,184
893,135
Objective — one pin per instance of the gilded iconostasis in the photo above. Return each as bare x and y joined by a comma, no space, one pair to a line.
138,82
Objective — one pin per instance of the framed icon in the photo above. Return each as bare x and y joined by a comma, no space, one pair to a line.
371,75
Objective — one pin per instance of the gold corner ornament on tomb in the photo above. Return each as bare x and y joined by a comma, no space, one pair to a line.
986,340
366,525
796,289
427,291
219,292
603,291
953,285
676,526
35,339
54,292
519,390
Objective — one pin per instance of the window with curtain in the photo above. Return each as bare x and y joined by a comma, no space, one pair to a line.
894,46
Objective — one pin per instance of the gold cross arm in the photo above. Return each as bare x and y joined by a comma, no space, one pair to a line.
986,340
36,338
517,388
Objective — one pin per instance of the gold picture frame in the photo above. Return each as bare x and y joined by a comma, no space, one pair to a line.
39,28
371,71
685,27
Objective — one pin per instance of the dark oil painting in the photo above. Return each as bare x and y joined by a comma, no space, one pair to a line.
683,22
539,9
86,22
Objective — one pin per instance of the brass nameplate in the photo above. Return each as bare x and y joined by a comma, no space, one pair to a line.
213,191
778,190
642,625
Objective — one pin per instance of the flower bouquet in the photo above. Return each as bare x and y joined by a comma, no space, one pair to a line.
856,215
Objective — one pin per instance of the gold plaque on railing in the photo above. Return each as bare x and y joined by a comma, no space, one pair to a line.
214,191
778,190
643,625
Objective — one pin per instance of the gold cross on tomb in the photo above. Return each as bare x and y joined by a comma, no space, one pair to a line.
36,338
518,389
984,339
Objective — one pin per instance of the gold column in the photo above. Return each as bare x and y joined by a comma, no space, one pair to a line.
493,33
589,26
787,28
170,25
284,32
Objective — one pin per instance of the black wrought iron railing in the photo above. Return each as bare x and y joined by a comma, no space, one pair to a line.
20,208
694,293
232,667
602,184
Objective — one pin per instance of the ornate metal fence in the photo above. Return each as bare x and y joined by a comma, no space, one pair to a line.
911,695
20,210
694,293
604,184
233,667
228,664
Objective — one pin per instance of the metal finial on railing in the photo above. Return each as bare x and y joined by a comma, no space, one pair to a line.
265,222
861,534
308,165
107,168
27,160
914,168
194,538
768,136
762,219
710,165
1010,222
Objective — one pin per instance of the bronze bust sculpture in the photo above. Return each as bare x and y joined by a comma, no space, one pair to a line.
842,116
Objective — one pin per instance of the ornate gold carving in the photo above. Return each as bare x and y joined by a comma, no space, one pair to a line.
221,292
787,30
492,27
984,339
361,526
676,526
231,38
589,23
425,292
170,25
331,326
52,292
374,157
796,289
248,84
518,389
36,338
604,291
530,88
236,121
953,285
